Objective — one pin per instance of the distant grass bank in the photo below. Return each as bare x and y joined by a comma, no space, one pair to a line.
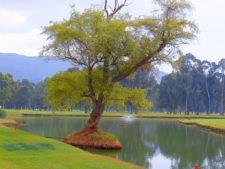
20,150
12,112
215,125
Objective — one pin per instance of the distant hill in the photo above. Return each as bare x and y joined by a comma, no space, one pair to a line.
36,68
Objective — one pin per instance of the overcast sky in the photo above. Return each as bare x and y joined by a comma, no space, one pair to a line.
21,22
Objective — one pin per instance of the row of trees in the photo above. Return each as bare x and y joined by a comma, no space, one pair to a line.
197,86
21,94
28,95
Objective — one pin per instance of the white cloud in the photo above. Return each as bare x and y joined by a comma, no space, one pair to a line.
209,15
11,19
28,43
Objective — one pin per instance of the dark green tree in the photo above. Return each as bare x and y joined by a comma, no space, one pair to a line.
220,74
6,82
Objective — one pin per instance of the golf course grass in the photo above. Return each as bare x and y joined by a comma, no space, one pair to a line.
216,125
21,150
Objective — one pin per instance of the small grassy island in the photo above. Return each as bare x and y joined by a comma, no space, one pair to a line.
215,125
21,150
98,139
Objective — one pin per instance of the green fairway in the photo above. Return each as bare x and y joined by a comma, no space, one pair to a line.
20,150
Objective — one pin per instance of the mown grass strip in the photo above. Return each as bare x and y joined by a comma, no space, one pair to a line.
21,150
215,125
11,112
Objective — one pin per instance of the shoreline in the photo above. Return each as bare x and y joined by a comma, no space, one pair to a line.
153,115
207,122
17,146
204,127
118,116
7,122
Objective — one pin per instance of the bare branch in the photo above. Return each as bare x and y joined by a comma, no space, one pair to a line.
69,56
117,8
105,8
116,5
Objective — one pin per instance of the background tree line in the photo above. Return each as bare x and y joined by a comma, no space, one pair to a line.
21,94
196,86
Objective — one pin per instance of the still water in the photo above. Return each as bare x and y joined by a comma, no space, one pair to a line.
154,144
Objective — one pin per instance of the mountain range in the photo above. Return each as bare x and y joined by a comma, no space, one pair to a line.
36,68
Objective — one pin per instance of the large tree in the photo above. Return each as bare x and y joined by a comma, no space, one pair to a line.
109,46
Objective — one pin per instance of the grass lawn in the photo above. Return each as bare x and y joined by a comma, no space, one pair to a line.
13,112
21,150
211,123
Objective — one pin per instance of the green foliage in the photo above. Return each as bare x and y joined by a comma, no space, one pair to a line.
26,95
6,83
2,113
90,38
137,98
67,88
196,86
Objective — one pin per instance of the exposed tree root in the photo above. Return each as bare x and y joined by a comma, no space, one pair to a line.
87,138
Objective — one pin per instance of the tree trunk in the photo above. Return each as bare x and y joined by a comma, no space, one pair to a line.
209,98
85,109
95,116
91,136
186,105
222,99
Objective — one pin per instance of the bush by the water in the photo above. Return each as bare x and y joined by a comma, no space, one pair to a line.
2,113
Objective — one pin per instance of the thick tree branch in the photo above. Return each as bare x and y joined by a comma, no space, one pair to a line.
105,8
73,58
90,86
142,62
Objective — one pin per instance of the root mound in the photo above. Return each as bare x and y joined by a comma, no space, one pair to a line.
96,139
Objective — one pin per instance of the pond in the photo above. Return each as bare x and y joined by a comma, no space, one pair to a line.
154,144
